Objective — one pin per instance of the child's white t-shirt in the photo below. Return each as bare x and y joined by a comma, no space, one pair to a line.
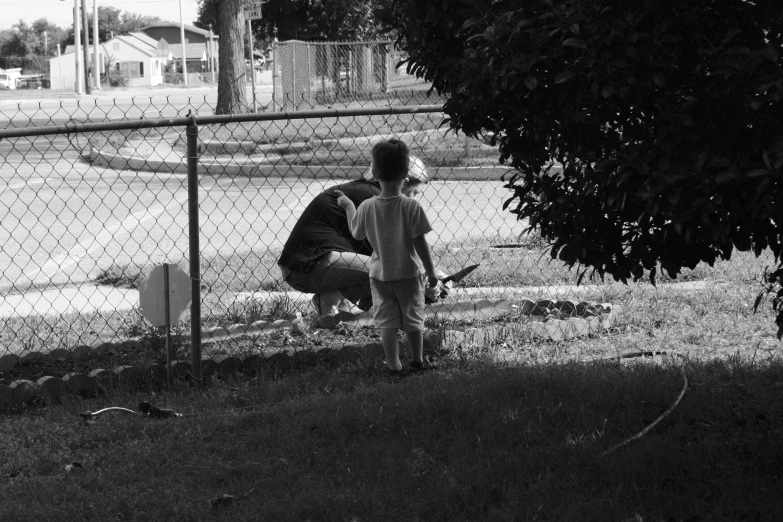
390,224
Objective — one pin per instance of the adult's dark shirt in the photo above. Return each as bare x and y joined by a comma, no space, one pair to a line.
323,227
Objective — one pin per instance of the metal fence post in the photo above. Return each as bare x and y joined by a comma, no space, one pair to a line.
195,259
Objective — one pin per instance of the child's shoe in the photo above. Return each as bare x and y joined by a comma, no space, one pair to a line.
422,366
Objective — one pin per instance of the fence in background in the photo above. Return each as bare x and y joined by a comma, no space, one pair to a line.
312,73
94,195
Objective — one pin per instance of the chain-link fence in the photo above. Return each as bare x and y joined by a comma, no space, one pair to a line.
95,194
310,74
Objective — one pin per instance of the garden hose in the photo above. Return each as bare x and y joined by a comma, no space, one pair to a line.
147,410
647,353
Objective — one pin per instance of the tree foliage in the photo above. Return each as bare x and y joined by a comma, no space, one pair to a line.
39,38
304,19
113,22
667,119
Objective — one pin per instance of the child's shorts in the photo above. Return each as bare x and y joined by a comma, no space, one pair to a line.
399,304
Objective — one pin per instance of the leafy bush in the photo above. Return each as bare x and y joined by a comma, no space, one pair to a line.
666,117
116,79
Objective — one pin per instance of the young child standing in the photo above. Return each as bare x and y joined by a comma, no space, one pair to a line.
401,264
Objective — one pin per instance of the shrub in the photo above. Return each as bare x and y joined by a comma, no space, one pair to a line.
666,117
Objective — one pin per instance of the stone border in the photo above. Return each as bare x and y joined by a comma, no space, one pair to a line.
591,318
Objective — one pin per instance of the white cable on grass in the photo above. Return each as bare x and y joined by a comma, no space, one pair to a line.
664,414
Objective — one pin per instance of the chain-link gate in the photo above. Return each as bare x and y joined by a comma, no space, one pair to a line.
89,206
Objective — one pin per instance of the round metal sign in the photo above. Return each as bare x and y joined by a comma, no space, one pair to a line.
152,295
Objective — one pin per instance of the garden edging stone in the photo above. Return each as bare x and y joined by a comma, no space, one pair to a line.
127,376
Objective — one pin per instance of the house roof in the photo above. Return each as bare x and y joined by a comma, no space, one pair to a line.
142,47
188,27
139,41
193,51
145,39
71,49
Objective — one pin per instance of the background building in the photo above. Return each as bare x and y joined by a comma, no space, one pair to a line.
201,49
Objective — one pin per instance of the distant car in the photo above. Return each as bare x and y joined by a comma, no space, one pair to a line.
8,77
6,82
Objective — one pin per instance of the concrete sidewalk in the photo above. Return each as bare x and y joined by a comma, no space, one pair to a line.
90,298
72,300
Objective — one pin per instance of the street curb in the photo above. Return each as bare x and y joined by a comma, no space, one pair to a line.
259,169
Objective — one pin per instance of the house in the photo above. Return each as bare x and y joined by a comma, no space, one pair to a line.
133,56
201,47
62,69
136,58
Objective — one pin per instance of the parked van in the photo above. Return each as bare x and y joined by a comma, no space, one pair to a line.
8,78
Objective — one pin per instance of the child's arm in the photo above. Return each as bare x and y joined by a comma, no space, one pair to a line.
423,250
350,210
345,202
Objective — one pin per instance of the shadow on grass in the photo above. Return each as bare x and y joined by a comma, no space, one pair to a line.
475,441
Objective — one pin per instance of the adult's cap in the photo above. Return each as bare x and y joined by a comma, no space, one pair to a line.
417,170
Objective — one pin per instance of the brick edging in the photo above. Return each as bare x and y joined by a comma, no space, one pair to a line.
591,318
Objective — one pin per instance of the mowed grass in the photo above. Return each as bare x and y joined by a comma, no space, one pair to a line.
506,431
512,430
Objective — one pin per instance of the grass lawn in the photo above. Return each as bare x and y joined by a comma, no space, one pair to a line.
498,433
511,430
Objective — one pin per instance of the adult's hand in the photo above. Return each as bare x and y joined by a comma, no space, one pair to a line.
433,294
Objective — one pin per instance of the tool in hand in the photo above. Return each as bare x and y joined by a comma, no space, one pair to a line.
455,277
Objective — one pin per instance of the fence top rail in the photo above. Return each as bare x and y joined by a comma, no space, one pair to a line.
215,119
354,42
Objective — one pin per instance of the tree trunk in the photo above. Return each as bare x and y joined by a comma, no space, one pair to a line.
232,75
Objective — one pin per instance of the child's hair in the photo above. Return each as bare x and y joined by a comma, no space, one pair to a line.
390,160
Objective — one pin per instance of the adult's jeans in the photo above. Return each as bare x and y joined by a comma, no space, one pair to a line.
346,273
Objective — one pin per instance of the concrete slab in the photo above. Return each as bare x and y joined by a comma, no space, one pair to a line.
90,298
492,292
81,300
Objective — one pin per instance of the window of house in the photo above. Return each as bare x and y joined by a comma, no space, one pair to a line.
116,46
132,69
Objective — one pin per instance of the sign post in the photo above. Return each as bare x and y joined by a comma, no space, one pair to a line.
163,298
167,315
252,13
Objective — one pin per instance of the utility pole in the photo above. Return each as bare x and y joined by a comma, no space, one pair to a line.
77,47
96,64
46,44
252,61
182,39
211,54
60,66
87,84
